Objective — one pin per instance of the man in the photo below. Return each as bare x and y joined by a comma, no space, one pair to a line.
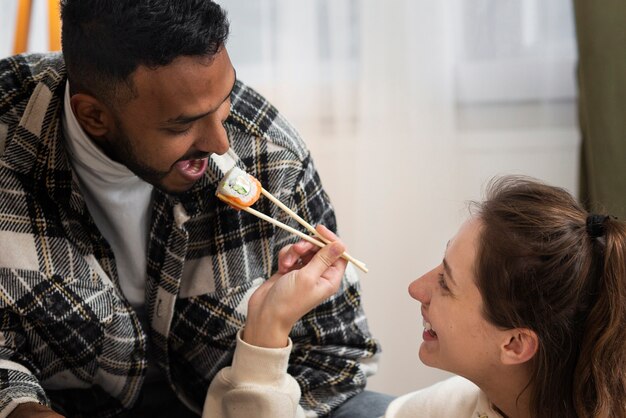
123,280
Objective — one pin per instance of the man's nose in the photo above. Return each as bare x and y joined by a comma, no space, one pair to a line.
213,138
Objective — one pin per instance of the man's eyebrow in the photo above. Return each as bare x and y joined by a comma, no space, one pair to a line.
183,119
446,268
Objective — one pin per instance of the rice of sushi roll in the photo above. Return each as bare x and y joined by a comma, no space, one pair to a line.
239,187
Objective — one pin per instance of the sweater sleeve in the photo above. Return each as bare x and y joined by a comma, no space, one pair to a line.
257,384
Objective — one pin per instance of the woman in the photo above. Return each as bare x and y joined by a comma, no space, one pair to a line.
528,307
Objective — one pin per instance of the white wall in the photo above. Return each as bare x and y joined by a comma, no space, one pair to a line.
409,107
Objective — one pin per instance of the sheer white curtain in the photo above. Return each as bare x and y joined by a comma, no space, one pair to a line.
304,53
513,51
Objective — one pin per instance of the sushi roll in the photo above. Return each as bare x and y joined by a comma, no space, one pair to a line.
239,187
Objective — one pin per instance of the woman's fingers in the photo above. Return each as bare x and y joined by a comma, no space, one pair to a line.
295,256
325,259
286,258
294,290
326,233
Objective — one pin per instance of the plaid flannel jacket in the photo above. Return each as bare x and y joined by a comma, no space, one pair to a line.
67,335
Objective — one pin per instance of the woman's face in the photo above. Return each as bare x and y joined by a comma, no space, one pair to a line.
456,336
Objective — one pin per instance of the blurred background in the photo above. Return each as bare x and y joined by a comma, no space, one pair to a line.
409,107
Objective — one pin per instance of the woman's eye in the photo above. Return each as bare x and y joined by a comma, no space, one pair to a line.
442,283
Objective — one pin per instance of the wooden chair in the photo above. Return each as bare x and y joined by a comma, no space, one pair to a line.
22,28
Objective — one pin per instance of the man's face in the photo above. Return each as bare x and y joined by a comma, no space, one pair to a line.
166,133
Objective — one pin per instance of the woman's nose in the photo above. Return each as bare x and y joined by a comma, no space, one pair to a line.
421,288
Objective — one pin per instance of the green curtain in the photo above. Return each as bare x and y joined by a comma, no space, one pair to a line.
601,35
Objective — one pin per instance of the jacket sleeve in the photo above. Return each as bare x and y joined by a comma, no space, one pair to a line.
333,350
18,383
256,384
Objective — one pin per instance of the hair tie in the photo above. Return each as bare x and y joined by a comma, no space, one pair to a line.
595,225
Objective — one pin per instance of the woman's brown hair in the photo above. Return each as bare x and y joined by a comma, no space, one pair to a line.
546,264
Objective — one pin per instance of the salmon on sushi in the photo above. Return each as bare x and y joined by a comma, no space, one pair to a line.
239,187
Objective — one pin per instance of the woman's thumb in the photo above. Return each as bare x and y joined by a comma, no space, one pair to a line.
325,258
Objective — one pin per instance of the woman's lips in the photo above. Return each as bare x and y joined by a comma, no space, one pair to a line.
192,170
429,334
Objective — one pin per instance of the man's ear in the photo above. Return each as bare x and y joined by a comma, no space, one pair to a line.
520,345
92,115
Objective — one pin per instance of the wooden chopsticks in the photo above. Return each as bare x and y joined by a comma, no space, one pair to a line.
294,231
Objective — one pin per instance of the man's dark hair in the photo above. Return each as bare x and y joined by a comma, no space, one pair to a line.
104,41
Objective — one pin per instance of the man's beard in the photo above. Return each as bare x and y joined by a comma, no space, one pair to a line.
125,154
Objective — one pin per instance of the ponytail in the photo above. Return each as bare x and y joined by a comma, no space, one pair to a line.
600,376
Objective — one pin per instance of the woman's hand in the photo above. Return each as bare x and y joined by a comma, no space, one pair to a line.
305,278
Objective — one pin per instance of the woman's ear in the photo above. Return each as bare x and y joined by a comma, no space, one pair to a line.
92,115
520,345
